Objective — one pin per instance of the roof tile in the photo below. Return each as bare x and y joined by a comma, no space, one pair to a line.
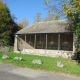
46,27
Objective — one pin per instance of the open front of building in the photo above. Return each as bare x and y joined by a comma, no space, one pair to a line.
55,44
46,41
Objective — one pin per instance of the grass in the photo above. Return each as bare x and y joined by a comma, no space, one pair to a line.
49,64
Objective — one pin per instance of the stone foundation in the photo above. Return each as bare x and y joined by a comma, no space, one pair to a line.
51,53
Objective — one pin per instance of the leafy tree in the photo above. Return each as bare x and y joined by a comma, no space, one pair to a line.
24,22
7,25
72,11
37,17
20,26
50,17
55,7
13,17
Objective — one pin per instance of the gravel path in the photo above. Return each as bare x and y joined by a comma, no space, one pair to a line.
35,74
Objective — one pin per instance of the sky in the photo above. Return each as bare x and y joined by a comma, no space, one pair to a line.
26,9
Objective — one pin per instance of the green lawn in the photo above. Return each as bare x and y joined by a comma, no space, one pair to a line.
49,64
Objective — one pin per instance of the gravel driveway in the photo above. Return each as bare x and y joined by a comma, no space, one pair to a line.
36,74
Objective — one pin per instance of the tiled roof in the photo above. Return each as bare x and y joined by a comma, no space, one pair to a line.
56,26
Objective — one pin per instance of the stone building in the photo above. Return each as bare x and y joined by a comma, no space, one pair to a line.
48,38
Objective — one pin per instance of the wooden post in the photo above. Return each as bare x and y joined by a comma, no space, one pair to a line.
35,42
46,41
58,41
25,42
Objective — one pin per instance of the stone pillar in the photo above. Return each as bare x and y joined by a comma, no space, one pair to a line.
58,41
74,43
16,43
35,42
46,41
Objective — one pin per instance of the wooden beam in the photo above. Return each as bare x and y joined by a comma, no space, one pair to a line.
58,41
35,42
25,42
46,41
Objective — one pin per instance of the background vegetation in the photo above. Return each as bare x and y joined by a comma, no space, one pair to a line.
7,25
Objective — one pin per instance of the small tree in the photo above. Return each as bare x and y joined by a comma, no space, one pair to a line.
37,17
24,22
50,17
55,7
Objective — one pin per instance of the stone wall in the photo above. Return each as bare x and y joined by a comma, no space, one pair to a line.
51,53
6,48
